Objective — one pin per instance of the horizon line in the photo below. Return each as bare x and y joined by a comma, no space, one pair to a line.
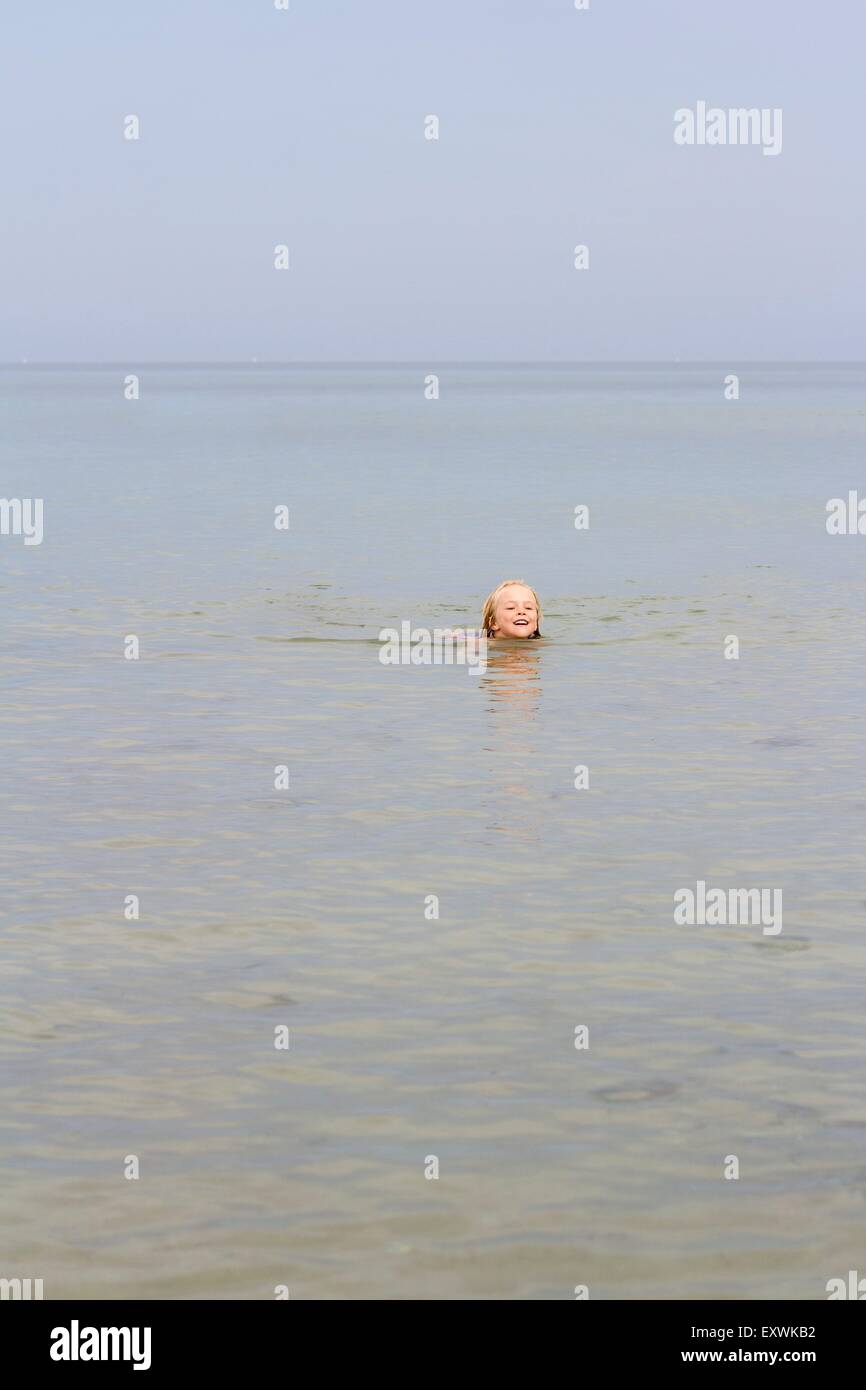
447,362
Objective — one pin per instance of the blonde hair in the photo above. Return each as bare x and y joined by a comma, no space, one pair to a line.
488,613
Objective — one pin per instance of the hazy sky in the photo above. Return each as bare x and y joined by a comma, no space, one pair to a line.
261,127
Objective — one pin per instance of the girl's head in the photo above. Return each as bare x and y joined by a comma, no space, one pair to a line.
512,610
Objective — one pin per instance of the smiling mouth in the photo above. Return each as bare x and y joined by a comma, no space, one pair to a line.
521,622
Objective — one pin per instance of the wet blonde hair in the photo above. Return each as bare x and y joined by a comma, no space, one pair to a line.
488,613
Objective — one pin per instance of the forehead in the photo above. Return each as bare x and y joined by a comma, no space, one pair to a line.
517,592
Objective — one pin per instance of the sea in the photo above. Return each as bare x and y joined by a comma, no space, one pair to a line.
325,978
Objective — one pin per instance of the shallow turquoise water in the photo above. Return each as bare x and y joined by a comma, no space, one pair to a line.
413,1037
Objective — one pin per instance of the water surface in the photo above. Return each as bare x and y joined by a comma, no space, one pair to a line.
453,1036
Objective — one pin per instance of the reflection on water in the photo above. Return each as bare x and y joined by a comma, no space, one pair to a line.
512,689
512,681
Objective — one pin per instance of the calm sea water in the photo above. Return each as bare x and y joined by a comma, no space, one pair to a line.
411,1037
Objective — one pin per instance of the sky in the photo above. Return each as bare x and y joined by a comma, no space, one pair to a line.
262,127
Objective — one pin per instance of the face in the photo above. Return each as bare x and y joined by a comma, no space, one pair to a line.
516,612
